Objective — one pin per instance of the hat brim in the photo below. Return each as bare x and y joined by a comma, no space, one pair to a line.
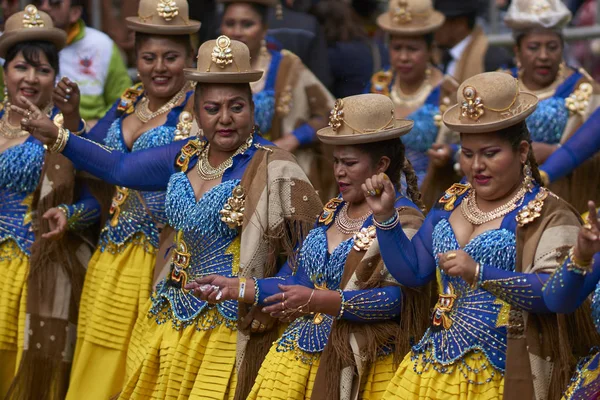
135,24
453,121
401,127
222,77
415,27
56,36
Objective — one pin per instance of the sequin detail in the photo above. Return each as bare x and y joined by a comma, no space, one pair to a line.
476,316
585,383
264,109
208,246
595,306
420,138
548,121
79,217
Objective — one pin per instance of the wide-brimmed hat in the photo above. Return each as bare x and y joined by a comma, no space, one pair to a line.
223,61
489,102
524,15
163,17
364,118
410,17
30,24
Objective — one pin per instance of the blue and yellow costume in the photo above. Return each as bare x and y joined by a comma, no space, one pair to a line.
20,176
463,353
290,368
564,292
120,273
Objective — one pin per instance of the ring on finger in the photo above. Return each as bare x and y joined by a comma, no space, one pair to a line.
255,324
262,327
372,193
283,305
283,297
377,192
451,256
587,226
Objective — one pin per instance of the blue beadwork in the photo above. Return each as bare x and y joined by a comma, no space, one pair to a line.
264,109
209,242
421,138
475,313
596,307
548,121
79,217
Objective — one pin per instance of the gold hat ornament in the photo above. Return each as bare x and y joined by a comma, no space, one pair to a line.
410,17
163,17
489,102
223,61
364,118
30,24
524,15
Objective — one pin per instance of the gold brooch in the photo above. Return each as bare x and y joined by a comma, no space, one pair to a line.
32,18
533,209
364,238
184,127
233,211
115,205
167,9
578,101
401,13
452,194
221,54
328,212
472,106
336,117
540,7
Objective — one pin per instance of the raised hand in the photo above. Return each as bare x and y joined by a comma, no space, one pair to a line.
458,263
588,240
440,154
36,122
58,223
381,196
66,97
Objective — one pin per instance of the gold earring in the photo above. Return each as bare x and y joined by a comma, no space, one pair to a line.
6,101
528,177
263,48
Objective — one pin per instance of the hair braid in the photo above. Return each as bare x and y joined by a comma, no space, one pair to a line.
412,187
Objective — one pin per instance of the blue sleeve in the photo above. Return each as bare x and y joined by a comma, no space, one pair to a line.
566,290
305,134
580,147
148,170
100,130
84,213
269,286
411,263
372,304
517,289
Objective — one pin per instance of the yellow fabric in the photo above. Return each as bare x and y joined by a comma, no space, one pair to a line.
379,376
431,384
584,384
14,266
115,288
165,363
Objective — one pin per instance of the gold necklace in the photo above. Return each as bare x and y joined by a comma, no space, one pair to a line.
207,172
476,216
143,113
347,225
549,91
10,131
410,100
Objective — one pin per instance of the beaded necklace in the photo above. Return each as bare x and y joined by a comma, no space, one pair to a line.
207,172
143,113
476,216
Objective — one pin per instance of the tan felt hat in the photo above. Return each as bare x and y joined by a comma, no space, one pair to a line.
268,3
223,61
410,17
489,102
364,118
30,24
163,17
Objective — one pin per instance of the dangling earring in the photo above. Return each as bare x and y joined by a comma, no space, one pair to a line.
428,72
263,48
6,101
528,177
279,11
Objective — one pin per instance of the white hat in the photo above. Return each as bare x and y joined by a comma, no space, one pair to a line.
524,15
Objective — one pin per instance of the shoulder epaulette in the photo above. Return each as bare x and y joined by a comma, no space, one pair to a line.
191,148
326,216
129,96
380,82
184,126
533,209
451,195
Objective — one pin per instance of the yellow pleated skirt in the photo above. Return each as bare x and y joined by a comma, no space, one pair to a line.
283,376
165,363
14,267
116,286
413,380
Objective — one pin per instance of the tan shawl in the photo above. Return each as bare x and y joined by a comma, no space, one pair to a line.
543,349
352,348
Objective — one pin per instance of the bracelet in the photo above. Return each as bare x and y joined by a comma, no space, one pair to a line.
388,224
242,289
343,304
478,278
65,210
61,141
307,305
82,130
578,266
256,292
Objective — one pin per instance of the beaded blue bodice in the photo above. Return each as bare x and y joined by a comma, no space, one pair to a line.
129,215
20,172
310,333
477,318
204,245
421,138
264,101
548,121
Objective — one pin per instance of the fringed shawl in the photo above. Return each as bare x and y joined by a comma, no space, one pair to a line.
543,349
352,348
281,207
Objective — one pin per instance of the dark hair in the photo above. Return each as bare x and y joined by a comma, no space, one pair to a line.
394,150
78,3
338,22
184,40
243,86
428,38
519,36
261,10
471,20
31,53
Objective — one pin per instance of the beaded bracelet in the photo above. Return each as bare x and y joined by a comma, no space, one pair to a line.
256,292
242,289
389,224
65,210
343,303
577,266
478,278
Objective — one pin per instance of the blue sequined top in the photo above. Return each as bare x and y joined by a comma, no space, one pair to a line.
129,210
264,101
